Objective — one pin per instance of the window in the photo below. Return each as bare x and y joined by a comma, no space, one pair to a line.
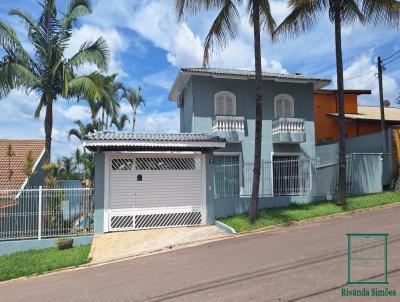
225,103
286,180
284,106
226,176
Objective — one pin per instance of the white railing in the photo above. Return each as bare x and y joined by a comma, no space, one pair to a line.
36,213
288,125
228,123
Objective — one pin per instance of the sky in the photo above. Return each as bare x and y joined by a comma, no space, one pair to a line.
148,45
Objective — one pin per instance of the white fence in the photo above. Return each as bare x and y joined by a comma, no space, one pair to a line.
298,177
36,213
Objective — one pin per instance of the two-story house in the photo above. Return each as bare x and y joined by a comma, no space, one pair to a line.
205,172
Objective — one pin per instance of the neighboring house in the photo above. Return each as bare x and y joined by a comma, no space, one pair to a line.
360,120
15,166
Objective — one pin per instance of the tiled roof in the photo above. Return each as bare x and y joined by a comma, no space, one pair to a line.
185,73
155,137
21,148
373,113
251,74
151,141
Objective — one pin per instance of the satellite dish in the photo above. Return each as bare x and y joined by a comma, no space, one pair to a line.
386,103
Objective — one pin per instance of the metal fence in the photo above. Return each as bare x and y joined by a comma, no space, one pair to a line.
36,213
289,177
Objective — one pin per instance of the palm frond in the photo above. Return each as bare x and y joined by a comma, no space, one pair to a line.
303,16
83,87
266,19
382,13
92,52
42,102
16,75
76,8
192,7
351,12
223,29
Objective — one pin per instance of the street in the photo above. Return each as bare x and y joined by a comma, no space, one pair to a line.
306,262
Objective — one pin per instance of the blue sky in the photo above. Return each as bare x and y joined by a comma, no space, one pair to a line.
148,45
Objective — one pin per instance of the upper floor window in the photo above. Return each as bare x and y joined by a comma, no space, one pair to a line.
284,106
225,103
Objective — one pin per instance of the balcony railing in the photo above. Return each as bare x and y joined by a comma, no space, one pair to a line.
224,123
288,130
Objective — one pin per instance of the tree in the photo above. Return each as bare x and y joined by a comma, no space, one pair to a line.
223,29
120,122
48,72
305,14
82,130
10,153
134,99
29,164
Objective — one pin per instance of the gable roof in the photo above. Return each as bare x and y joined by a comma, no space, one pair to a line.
373,114
131,141
185,73
21,148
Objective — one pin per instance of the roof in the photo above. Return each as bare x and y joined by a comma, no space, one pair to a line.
132,141
346,91
373,113
21,148
185,74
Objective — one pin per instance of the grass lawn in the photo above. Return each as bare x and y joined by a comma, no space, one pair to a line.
39,261
294,213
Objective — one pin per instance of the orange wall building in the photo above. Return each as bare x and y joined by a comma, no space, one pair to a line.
360,120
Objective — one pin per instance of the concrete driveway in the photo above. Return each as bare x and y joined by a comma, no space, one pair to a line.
299,263
118,245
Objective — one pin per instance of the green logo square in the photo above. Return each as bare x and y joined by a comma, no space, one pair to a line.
367,258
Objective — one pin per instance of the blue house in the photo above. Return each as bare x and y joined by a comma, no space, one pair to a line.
205,172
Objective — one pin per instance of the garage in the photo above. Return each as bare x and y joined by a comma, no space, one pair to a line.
152,181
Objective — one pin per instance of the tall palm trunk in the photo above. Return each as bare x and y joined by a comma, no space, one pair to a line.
48,128
258,131
134,119
341,194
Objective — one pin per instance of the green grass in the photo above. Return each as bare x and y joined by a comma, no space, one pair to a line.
39,261
307,211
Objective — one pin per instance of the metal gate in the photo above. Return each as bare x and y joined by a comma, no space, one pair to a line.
153,191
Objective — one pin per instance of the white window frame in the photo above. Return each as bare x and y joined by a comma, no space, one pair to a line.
230,94
286,97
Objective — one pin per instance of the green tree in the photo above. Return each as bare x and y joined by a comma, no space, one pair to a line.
82,130
223,29
120,122
135,99
305,14
47,71
10,153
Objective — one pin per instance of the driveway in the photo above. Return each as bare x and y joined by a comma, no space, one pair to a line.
118,245
300,263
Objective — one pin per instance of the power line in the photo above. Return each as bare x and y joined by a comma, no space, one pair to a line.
360,75
391,56
394,59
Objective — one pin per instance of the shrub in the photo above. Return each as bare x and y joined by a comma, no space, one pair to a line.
64,243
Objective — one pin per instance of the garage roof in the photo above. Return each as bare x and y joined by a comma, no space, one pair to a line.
372,113
133,141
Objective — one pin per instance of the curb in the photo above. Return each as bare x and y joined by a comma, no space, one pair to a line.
225,227
318,219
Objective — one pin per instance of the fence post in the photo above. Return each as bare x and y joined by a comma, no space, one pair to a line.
40,214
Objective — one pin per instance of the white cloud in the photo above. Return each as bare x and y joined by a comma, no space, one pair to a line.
160,79
116,43
165,122
18,105
361,74
75,112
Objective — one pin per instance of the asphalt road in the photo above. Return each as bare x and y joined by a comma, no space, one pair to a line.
297,263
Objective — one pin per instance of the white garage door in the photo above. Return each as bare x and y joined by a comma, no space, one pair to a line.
152,191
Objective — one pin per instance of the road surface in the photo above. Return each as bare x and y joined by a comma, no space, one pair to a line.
299,263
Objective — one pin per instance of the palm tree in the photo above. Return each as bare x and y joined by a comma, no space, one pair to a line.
223,29
120,122
68,167
48,72
82,130
305,14
135,99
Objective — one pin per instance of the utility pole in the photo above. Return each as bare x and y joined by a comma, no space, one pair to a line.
382,107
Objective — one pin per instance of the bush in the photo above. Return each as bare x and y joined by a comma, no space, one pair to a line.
64,243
